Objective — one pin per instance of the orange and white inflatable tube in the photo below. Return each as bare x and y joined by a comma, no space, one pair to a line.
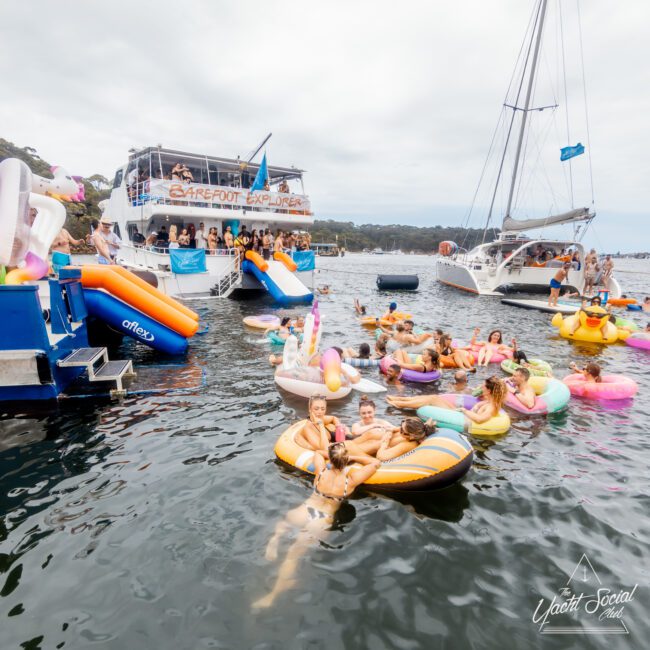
100,276
286,260
258,260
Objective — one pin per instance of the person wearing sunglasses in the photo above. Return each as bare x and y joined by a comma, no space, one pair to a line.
333,483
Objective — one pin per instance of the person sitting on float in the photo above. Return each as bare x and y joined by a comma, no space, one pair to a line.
402,338
591,372
430,361
493,396
389,315
453,357
368,421
518,386
298,324
362,353
392,441
334,482
489,348
320,427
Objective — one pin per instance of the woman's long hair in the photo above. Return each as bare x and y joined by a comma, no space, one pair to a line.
415,430
498,391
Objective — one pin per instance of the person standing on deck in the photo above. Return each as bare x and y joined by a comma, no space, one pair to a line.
556,283
228,238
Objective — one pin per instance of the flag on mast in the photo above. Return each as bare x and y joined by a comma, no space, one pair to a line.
571,152
261,177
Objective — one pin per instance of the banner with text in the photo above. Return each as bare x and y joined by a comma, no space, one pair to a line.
236,196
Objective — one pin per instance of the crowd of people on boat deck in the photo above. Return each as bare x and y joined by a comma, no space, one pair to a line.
262,241
137,180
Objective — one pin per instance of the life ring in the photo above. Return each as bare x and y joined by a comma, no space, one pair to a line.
410,375
438,461
459,422
262,321
634,307
536,367
305,382
640,340
609,388
552,396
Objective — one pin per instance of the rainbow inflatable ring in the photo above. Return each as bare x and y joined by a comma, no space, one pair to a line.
459,422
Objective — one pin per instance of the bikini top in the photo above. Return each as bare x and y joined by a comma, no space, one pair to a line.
329,496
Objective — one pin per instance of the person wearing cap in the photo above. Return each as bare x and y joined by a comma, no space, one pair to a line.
390,314
106,241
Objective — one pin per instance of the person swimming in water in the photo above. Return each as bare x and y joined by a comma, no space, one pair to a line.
394,374
359,308
461,384
283,331
333,483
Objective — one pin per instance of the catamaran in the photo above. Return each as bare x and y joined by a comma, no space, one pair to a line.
159,188
514,261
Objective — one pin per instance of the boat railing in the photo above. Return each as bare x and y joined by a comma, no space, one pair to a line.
176,193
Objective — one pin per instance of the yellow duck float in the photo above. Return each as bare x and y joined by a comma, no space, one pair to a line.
590,324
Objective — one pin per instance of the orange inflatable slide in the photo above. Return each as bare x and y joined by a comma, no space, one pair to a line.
134,291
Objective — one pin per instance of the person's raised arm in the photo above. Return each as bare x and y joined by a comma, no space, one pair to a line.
388,453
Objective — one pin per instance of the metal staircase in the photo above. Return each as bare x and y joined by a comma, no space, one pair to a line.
96,362
227,284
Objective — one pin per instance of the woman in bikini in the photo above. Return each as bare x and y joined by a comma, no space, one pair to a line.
453,357
430,361
333,484
490,347
389,442
493,396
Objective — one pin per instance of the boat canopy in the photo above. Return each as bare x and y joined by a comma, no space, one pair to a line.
209,170
517,225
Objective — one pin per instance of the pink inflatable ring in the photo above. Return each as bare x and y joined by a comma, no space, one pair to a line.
639,340
611,387
497,357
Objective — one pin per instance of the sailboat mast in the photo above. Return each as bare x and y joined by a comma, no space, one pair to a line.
529,93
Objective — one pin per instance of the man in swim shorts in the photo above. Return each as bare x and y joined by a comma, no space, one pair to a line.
556,283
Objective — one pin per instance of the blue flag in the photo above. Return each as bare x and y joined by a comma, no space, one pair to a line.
571,152
261,177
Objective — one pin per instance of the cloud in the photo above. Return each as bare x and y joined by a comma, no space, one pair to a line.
390,108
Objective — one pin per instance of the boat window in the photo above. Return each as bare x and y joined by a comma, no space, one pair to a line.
116,230
117,181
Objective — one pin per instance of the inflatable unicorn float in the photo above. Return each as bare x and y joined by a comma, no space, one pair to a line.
330,377
26,240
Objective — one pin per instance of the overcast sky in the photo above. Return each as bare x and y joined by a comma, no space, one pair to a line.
389,106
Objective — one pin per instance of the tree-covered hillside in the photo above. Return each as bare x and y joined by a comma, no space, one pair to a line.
405,238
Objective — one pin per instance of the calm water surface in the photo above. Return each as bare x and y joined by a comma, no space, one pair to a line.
142,524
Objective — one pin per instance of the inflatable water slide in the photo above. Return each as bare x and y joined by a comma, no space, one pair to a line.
278,277
134,308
